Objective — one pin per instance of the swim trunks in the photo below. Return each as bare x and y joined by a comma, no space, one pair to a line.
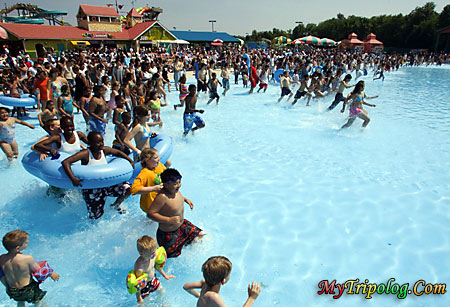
96,198
285,91
174,241
97,125
338,98
300,94
263,85
30,293
116,145
201,86
150,287
213,94
189,119
156,117
225,83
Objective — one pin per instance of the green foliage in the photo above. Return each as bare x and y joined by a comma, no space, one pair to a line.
414,30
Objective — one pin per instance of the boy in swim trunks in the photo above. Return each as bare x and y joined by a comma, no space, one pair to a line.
216,272
8,133
16,270
168,210
146,247
190,117
285,84
212,85
148,182
122,131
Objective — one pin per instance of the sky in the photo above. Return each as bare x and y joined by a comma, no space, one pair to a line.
239,17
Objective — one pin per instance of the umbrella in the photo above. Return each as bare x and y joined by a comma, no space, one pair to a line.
282,40
310,40
327,42
3,33
217,42
297,41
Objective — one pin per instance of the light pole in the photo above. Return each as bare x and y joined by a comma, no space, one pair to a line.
212,24
299,23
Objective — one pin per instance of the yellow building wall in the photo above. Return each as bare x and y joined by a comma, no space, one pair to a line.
107,27
30,45
156,33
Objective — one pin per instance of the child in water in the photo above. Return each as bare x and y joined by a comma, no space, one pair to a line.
148,182
16,270
174,231
216,273
122,130
7,133
146,247
47,114
154,104
65,102
96,155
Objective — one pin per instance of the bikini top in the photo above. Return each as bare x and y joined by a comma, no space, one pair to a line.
68,147
145,134
93,161
156,104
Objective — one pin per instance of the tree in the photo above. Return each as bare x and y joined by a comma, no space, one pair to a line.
444,17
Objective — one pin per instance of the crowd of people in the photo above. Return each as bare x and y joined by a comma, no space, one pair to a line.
125,88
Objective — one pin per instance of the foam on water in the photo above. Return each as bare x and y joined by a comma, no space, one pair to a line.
283,192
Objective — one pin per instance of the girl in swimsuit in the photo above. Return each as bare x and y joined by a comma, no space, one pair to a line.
154,103
141,131
7,133
356,109
65,102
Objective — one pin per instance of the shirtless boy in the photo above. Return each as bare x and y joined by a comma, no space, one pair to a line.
285,84
16,270
174,231
97,109
212,85
190,117
216,273
146,247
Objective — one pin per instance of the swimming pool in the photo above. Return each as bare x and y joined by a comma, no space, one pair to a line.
281,191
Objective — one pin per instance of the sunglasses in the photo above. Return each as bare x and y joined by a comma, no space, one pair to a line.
173,180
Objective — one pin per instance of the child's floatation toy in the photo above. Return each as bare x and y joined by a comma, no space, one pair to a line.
44,271
161,257
116,171
163,144
135,284
24,101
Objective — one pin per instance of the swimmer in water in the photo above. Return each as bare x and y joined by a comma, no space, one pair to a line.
356,109
7,133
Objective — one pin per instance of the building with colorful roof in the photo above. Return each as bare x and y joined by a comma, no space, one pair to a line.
97,26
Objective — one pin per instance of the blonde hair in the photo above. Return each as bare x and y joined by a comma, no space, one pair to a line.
146,243
216,269
147,154
14,239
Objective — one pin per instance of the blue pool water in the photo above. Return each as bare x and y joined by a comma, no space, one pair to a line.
281,191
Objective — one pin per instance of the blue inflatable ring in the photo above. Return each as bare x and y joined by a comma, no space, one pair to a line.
51,171
24,101
163,144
